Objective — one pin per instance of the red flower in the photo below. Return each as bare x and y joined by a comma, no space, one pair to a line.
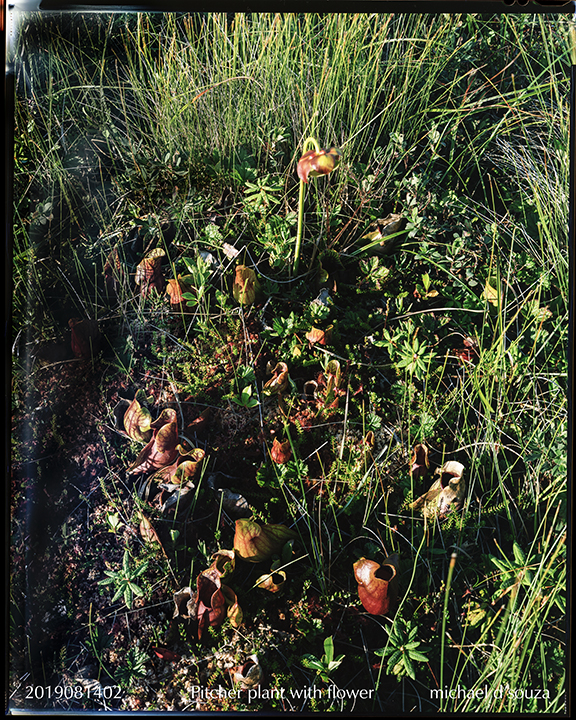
318,162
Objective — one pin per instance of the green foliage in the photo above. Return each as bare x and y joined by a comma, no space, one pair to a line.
276,237
261,196
124,580
409,353
512,572
325,665
404,649
133,669
244,386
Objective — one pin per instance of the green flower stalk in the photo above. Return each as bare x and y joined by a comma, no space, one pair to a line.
312,164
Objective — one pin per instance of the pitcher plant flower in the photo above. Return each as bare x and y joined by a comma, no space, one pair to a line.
313,163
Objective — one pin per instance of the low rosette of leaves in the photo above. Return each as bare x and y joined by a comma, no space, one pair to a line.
403,650
377,584
325,665
513,572
254,542
125,580
213,601
176,479
445,494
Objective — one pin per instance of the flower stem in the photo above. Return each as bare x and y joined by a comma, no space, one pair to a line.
300,231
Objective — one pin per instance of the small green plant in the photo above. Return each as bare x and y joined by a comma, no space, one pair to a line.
276,238
327,664
407,351
245,381
113,521
200,271
261,195
403,649
134,669
125,580
513,572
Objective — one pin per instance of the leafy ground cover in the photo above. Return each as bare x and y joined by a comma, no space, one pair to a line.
241,482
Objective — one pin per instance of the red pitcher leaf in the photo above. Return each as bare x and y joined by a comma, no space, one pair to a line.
279,381
248,675
419,463
176,289
85,338
184,470
211,605
161,450
281,452
138,420
213,602
254,543
245,285
148,532
166,418
377,584
322,337
233,610
273,582
318,162
224,562
149,272
165,654
445,494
